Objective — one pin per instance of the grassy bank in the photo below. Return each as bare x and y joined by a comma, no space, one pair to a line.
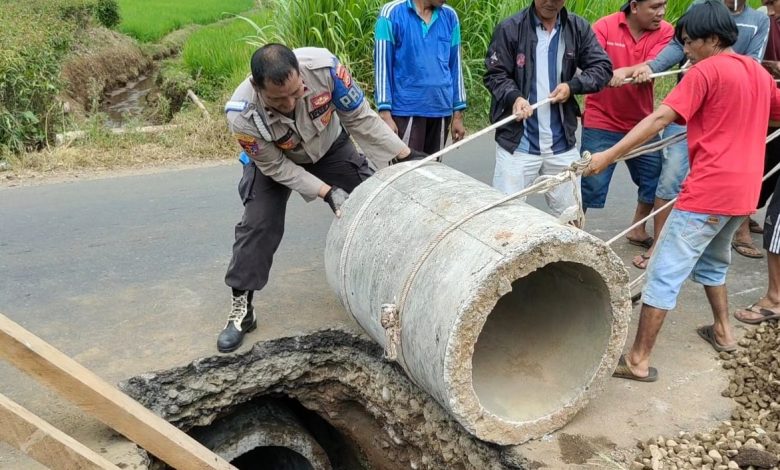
150,20
35,36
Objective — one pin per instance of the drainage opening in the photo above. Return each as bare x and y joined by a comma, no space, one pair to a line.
543,342
279,433
279,458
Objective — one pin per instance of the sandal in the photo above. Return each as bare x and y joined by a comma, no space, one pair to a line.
641,261
707,333
747,249
766,314
646,243
755,227
622,371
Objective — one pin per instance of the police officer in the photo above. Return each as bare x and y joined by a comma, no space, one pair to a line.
288,118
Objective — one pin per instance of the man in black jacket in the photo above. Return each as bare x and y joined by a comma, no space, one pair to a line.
536,54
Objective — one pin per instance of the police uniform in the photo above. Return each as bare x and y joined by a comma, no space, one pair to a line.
299,154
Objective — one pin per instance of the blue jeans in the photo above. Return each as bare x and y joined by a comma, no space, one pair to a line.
690,244
644,170
675,165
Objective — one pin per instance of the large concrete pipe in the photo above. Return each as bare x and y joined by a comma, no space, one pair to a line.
508,318
266,426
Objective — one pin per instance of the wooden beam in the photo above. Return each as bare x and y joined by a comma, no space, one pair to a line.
96,397
43,442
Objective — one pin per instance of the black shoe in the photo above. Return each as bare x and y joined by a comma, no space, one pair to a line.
242,320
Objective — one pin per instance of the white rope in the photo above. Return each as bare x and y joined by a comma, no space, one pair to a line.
654,146
659,74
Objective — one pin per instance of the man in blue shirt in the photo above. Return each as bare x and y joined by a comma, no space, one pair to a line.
419,86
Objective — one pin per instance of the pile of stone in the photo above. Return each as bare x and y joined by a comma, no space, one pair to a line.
751,439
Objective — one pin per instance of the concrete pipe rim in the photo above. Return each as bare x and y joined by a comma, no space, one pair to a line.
464,401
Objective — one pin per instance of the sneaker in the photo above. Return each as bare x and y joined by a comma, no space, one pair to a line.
240,321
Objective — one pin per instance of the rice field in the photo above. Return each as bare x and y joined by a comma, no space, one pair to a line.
218,55
150,20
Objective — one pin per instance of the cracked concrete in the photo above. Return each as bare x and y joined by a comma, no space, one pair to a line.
341,377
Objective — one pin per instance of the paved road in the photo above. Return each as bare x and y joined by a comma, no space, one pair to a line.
125,274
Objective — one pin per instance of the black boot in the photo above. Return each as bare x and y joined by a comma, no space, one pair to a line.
241,321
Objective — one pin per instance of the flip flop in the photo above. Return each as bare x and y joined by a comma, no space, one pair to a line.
643,263
766,315
646,243
747,250
623,372
755,227
707,333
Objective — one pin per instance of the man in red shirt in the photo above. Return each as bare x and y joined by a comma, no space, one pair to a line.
631,37
726,100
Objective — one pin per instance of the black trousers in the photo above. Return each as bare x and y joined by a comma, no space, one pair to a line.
427,135
260,231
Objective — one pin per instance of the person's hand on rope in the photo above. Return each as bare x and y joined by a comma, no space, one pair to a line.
458,129
642,74
336,197
522,109
388,118
598,162
561,93
619,77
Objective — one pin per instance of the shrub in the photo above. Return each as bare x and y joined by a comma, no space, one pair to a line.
107,13
30,67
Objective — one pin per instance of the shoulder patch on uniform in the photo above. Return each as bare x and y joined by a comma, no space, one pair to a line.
238,106
249,144
347,95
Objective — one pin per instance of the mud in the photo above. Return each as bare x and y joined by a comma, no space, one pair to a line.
579,449
342,378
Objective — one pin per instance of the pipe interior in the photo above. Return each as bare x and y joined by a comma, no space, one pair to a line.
276,457
543,342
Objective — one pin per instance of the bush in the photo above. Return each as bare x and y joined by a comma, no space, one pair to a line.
30,68
107,13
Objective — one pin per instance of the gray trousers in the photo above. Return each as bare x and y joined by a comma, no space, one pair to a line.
260,231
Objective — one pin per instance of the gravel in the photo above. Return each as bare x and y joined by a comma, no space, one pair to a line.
751,439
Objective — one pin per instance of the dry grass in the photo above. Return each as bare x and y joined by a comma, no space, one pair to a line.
194,141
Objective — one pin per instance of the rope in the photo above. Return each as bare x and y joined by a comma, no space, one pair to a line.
659,74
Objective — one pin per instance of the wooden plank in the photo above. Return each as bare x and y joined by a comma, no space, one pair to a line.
43,442
96,397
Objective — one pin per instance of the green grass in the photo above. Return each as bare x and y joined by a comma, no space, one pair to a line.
218,55
150,20
30,62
